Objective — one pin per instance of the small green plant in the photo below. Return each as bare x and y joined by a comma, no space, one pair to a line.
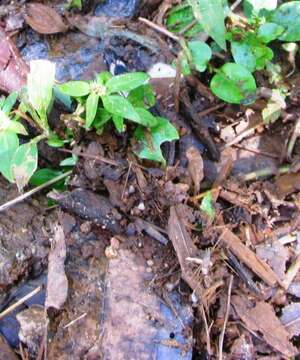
106,98
74,4
120,98
248,35
19,161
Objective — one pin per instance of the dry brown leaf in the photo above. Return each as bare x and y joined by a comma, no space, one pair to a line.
287,184
262,318
276,255
290,318
249,258
57,283
195,166
183,245
13,69
43,19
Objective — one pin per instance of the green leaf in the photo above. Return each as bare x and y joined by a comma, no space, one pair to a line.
75,88
103,77
6,124
41,176
288,16
118,122
9,143
147,119
269,31
207,205
91,109
142,96
24,163
74,4
9,102
118,105
201,54
185,67
234,84
102,117
126,82
40,83
255,7
211,15
150,142
63,98
69,161
55,141
252,57
276,103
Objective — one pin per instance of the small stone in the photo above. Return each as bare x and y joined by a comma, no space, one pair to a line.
86,227
150,263
141,206
169,286
149,270
111,253
131,189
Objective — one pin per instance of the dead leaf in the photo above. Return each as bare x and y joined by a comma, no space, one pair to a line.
32,327
287,184
243,253
262,318
290,318
43,19
195,166
183,245
13,69
276,255
57,283
242,348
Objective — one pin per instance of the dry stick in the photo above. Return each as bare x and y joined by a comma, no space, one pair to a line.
257,152
126,180
235,5
20,302
75,320
221,339
89,156
160,29
33,191
188,27
207,330
210,110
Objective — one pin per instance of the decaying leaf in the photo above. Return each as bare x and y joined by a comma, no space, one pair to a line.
290,318
262,318
43,19
195,166
32,327
57,283
13,69
248,257
287,184
276,255
183,245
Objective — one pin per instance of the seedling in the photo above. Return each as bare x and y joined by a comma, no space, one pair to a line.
120,98
249,37
106,98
